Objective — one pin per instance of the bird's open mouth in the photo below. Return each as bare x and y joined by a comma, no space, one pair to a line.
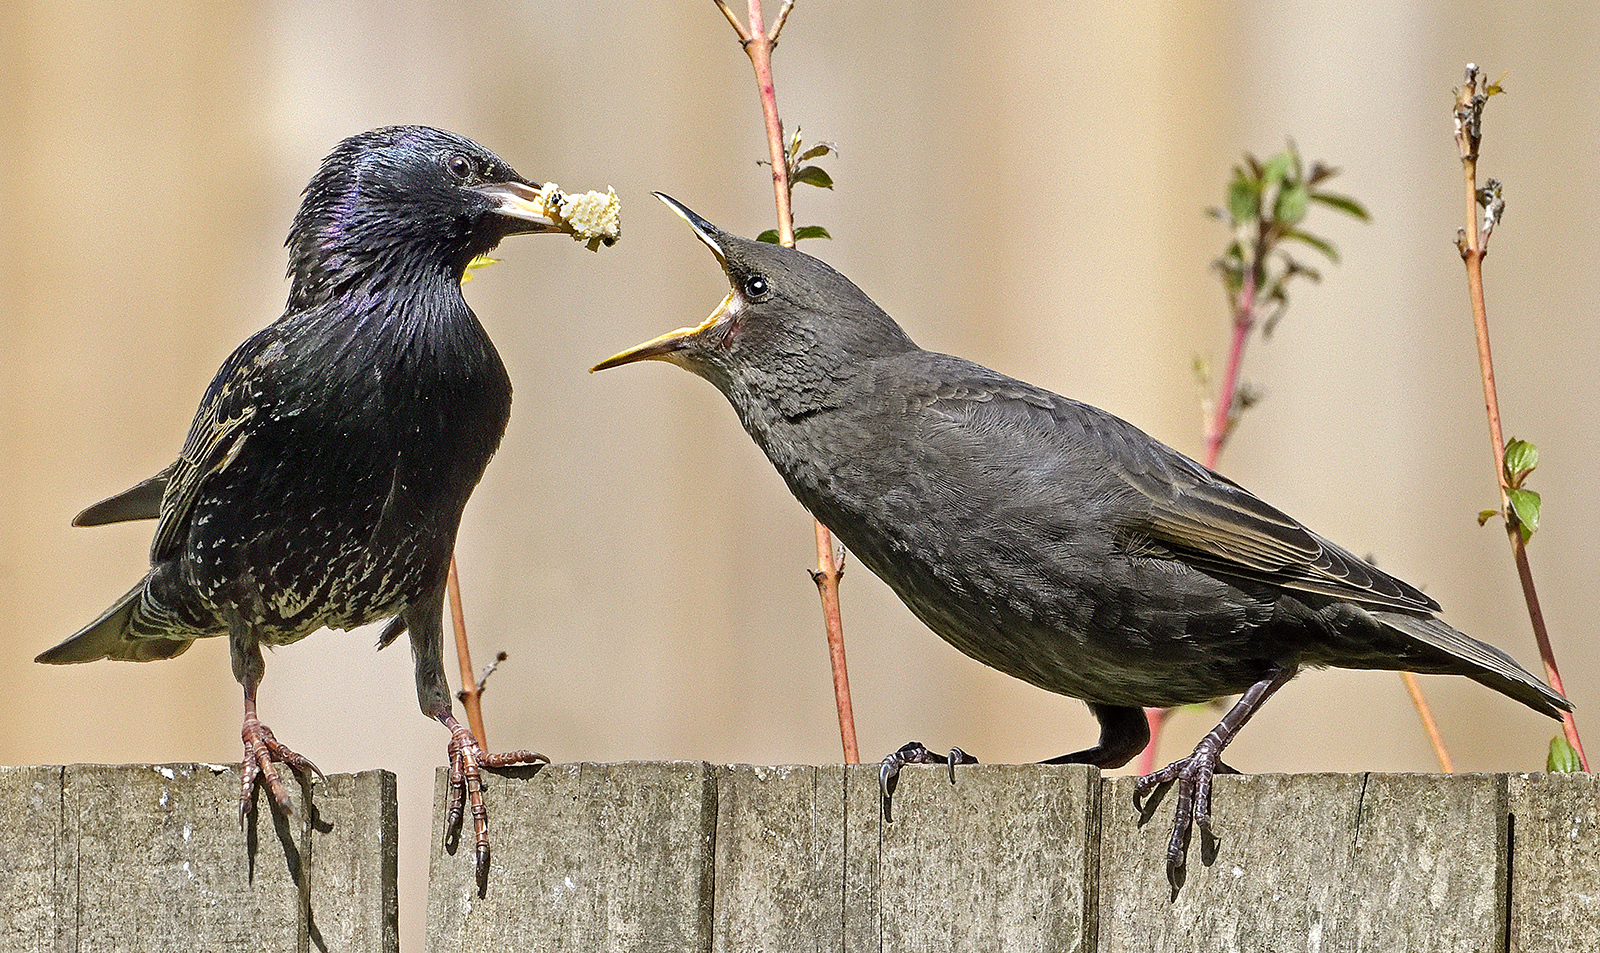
663,347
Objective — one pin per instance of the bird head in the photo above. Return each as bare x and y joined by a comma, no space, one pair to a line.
790,327
405,201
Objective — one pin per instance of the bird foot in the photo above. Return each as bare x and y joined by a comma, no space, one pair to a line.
1193,775
261,749
467,759
914,752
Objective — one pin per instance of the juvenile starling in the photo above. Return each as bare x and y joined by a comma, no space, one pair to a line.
324,476
1044,537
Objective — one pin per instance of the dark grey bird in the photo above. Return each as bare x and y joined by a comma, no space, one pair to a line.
325,473
1045,537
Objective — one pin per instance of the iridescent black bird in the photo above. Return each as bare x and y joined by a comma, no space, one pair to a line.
1045,537
324,476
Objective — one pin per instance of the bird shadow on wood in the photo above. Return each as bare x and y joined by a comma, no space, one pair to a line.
452,834
297,859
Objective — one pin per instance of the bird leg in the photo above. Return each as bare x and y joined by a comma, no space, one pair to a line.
1195,772
467,759
261,749
914,752
1124,732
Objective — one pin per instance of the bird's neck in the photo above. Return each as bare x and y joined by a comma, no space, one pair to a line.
369,274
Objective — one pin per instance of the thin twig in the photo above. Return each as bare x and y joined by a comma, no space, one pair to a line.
1428,724
758,45
1472,243
470,693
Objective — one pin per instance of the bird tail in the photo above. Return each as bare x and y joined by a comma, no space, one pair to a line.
1479,661
111,636
139,502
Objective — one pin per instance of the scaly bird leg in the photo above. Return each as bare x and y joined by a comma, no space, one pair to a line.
467,759
1195,772
261,749
1123,733
914,752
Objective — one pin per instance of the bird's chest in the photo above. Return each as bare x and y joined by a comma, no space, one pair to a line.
342,505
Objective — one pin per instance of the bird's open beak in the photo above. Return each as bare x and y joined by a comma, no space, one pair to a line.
520,201
664,347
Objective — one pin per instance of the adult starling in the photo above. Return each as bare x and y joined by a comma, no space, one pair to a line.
324,476
1044,537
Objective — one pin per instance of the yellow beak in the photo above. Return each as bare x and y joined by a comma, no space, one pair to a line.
665,347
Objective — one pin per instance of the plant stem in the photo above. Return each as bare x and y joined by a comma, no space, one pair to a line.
1473,246
1222,419
1428,724
758,44
471,699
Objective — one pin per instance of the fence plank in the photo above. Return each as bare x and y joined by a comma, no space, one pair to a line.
1004,859
585,857
780,859
142,857
1555,862
1314,862
30,840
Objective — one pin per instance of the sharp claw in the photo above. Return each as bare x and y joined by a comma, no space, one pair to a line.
467,759
261,751
914,752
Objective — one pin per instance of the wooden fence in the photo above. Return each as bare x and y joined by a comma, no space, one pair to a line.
689,856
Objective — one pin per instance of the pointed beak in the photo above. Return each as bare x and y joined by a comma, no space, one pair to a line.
520,201
703,230
667,346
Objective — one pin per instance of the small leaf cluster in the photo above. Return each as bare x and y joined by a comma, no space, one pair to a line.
1520,460
1267,202
801,171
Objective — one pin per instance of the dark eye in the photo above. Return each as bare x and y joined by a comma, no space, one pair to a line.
459,165
754,286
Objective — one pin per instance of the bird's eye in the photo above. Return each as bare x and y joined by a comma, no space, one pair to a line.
754,286
459,165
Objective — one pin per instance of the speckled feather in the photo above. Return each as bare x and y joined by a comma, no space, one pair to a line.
324,476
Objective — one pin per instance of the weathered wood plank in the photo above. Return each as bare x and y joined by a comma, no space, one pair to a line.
1313,862
1555,862
585,857
152,857
1004,859
30,841
780,859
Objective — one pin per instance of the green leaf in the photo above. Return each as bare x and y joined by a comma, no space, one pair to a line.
1525,504
1320,244
1244,200
1485,516
1276,168
813,175
1563,758
770,236
1521,458
1343,203
815,151
1291,205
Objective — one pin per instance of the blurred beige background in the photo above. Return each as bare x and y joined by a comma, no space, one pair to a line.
1023,184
